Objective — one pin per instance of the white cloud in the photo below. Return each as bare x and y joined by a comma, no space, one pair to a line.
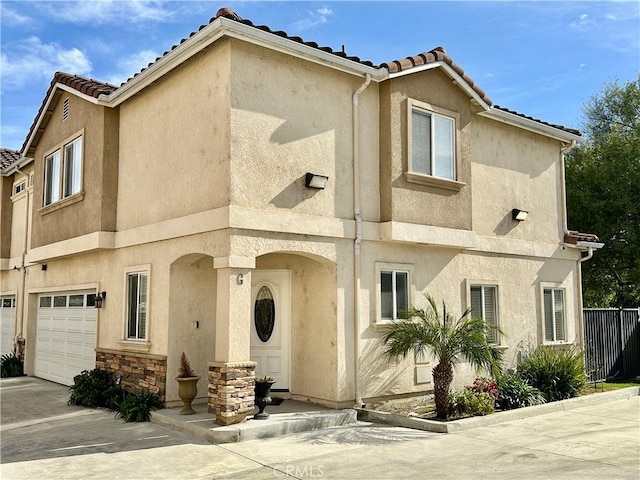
128,66
313,19
583,23
13,18
109,11
36,60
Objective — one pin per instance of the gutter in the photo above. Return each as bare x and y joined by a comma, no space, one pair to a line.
358,239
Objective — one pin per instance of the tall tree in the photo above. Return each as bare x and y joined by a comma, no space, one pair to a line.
603,194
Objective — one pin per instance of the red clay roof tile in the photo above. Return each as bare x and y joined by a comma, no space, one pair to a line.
8,157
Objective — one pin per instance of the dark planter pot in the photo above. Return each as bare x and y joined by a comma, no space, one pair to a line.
263,398
187,391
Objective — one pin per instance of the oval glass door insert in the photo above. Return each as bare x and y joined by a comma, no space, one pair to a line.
264,314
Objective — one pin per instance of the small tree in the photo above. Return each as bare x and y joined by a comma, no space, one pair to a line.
446,339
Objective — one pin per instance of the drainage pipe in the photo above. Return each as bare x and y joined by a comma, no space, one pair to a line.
358,237
20,307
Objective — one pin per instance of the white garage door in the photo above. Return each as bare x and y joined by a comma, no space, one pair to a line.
7,323
66,335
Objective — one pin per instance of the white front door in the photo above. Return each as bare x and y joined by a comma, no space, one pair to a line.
270,325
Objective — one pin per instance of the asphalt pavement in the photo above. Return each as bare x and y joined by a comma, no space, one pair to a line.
43,438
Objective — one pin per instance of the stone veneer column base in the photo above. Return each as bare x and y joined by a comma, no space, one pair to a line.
139,371
231,391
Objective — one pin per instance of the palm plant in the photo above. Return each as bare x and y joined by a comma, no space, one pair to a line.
448,340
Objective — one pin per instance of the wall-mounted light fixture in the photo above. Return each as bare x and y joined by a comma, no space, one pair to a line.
519,215
313,180
100,298
240,279
44,267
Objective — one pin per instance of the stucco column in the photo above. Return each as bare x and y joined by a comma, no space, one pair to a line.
232,374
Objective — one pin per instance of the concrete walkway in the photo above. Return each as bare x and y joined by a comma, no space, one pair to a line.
595,441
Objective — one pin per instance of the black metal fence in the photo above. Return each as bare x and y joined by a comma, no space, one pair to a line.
612,342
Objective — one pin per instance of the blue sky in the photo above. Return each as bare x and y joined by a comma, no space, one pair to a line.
543,59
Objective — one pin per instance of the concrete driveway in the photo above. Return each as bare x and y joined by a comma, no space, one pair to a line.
59,442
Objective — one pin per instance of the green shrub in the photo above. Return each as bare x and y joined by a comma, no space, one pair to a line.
138,407
514,392
469,403
95,388
11,366
558,373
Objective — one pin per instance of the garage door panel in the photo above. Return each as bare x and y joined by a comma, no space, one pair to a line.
66,336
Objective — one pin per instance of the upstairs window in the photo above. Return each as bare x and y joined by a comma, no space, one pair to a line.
63,172
432,144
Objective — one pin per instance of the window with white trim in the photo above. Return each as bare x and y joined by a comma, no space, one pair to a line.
433,142
137,285
554,315
394,293
63,172
19,187
484,304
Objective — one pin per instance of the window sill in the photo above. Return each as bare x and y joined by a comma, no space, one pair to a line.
499,347
65,202
430,181
135,345
382,325
561,343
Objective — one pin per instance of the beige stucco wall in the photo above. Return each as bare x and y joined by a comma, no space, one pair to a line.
408,202
289,117
514,168
91,213
174,143
446,274
6,215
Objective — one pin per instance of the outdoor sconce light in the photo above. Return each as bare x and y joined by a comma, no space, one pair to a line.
100,297
519,215
316,181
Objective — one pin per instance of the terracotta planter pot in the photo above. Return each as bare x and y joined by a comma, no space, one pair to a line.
187,391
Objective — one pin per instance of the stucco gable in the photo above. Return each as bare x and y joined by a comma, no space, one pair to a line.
86,88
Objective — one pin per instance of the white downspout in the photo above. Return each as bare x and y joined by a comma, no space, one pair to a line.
358,239
19,328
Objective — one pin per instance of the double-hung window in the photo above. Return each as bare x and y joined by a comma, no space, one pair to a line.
432,143
394,293
137,305
484,304
63,172
554,315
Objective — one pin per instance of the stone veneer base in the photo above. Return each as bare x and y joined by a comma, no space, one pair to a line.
231,391
140,371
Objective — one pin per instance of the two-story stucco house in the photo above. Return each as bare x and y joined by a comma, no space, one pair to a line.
267,206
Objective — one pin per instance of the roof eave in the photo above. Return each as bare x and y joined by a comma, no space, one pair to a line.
219,28
531,125
11,169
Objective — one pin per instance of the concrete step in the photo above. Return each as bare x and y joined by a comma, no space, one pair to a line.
202,425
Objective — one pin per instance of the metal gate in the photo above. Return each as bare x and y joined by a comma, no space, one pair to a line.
612,342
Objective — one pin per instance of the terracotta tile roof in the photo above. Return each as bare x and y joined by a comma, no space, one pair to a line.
95,88
574,237
438,54
228,13
559,127
88,86
8,157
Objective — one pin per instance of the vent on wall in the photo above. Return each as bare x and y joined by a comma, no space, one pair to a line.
65,109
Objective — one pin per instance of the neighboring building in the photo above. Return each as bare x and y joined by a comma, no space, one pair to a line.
181,199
